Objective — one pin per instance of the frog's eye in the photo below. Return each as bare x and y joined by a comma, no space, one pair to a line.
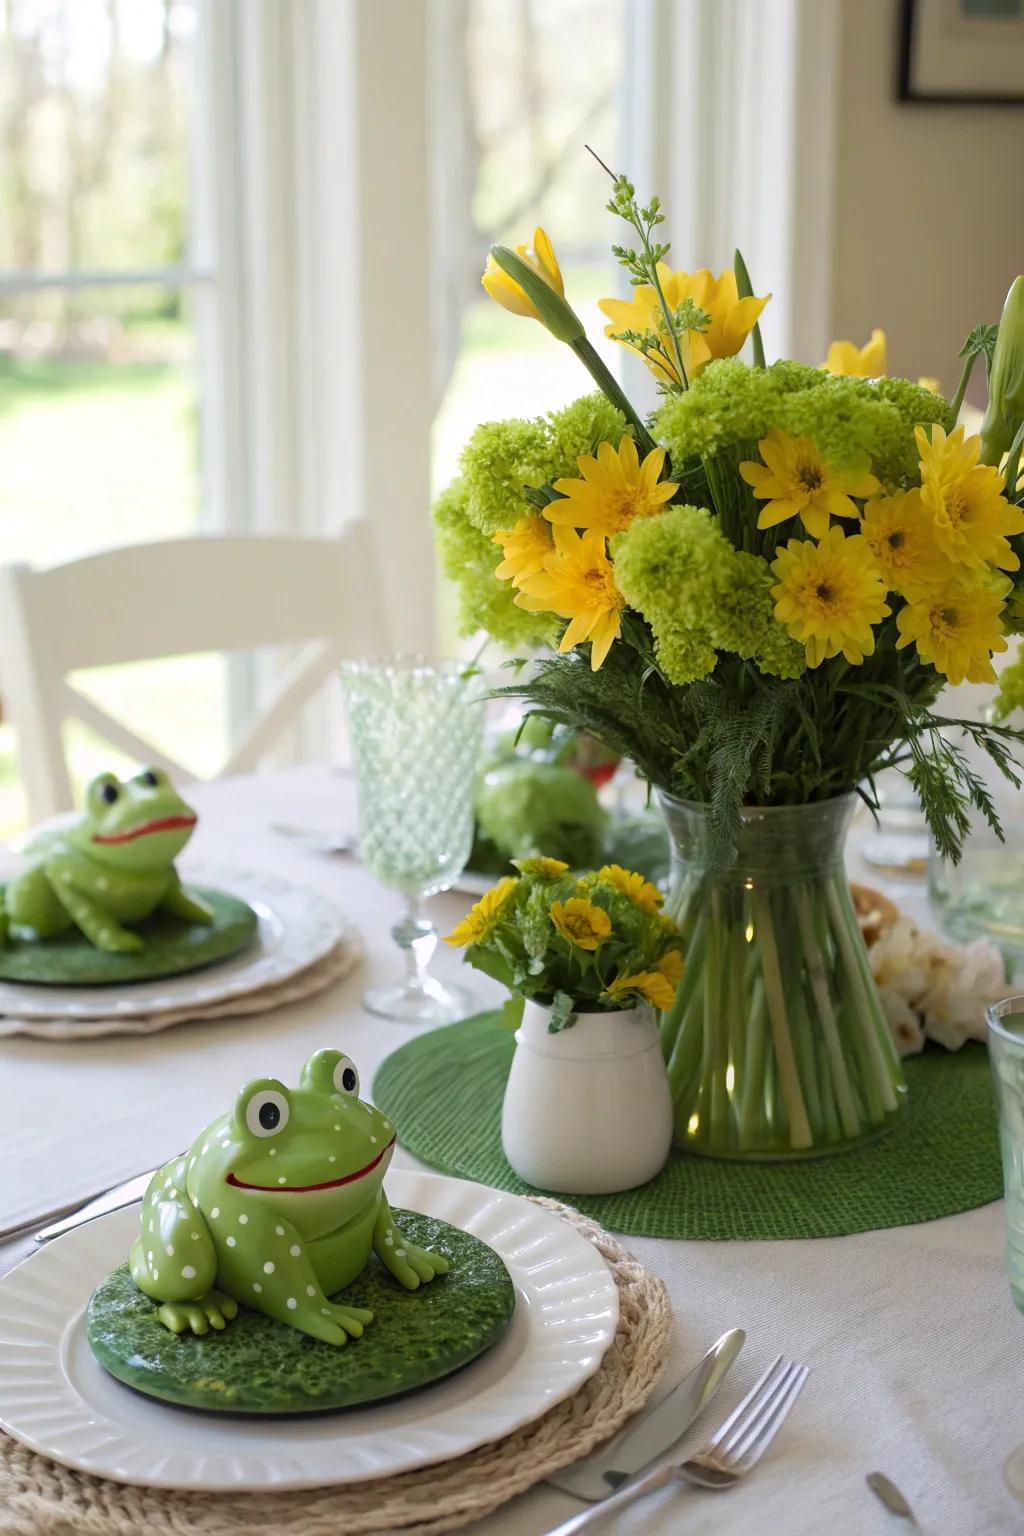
346,1078
331,1072
152,778
108,792
266,1112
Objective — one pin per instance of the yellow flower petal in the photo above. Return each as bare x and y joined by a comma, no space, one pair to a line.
507,292
642,893
578,584
828,596
653,987
867,362
798,481
613,489
482,918
580,922
525,547
731,320
956,627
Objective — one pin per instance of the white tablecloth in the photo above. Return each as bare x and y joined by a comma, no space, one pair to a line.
916,1352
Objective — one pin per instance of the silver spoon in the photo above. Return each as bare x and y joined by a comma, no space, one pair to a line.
893,1500
316,840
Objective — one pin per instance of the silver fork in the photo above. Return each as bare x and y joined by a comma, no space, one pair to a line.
727,1458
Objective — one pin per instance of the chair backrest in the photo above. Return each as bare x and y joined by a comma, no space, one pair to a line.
183,596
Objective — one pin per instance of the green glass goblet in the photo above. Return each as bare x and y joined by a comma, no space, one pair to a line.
1006,1054
416,730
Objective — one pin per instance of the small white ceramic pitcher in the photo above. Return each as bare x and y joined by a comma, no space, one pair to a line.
588,1110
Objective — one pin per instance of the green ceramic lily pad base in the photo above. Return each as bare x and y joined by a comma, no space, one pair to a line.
257,1365
172,947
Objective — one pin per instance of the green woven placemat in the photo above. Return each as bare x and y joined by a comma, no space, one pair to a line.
172,947
444,1090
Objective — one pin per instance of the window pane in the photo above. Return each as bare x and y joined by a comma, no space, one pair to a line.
519,99
95,116
99,446
98,421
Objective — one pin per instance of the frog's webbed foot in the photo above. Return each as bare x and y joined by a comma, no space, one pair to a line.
212,1310
335,1324
181,903
411,1266
115,940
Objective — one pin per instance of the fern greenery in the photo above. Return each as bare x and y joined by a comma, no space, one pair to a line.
738,738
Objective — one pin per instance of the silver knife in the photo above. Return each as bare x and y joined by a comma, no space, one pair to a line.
110,1200
601,1473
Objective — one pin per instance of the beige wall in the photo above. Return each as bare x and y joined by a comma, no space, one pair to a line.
929,206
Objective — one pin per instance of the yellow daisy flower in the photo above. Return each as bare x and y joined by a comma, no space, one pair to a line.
580,922
898,531
971,517
507,292
654,987
547,869
671,967
732,319
956,628
866,362
799,483
481,919
828,596
614,490
578,584
640,891
524,547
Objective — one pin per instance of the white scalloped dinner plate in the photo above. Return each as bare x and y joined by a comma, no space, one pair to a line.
56,1398
297,927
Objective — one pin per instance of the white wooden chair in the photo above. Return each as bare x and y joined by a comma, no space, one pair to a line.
179,597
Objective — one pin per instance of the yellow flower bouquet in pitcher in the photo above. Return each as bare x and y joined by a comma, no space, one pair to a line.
756,595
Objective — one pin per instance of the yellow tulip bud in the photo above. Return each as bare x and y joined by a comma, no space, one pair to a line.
528,281
1005,411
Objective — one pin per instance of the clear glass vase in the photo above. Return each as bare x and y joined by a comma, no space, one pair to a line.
776,1045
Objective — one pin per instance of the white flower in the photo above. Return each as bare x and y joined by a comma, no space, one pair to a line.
904,1024
930,989
962,985
899,961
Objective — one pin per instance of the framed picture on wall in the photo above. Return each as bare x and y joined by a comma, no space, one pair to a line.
969,51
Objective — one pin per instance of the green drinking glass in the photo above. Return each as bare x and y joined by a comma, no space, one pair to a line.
416,729
1006,1054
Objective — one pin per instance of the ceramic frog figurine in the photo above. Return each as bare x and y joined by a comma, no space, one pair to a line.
112,867
277,1204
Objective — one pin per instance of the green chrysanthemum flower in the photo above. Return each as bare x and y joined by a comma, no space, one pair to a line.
500,458
699,595
685,655
468,558
1010,697
578,429
730,407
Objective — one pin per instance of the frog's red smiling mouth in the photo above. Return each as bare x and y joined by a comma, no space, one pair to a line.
303,1189
162,824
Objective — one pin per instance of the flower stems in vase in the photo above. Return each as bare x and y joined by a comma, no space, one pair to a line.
776,1044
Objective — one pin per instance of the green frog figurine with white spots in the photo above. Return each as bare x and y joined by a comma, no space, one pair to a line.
277,1204
112,867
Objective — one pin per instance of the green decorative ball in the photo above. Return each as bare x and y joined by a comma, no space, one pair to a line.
257,1365
172,947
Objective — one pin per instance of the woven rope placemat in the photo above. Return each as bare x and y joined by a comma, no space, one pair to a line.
444,1090
40,1498
342,959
